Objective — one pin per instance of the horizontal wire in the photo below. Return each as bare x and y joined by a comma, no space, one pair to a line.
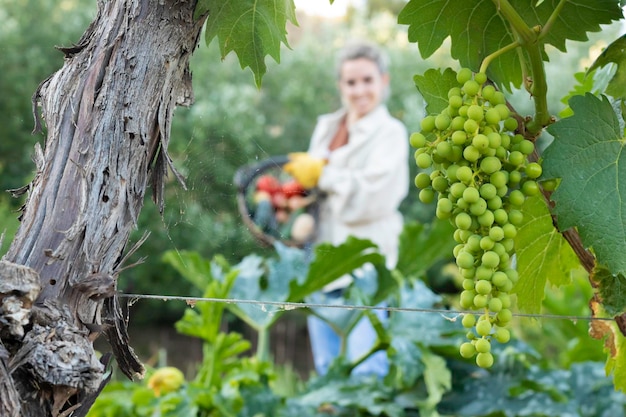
288,306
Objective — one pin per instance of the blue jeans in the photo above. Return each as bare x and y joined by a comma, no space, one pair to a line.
325,345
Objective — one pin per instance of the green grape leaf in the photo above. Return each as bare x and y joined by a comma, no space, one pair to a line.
477,29
614,344
587,155
250,28
421,246
332,262
616,365
434,87
614,53
542,255
585,84
612,290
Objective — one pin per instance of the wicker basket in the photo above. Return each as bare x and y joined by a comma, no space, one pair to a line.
276,230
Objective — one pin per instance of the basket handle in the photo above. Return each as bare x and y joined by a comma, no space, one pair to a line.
247,173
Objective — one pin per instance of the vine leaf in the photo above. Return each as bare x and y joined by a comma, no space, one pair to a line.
542,255
476,28
614,344
614,53
612,290
434,86
587,154
250,28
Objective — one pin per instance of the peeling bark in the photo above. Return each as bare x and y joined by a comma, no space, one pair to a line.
107,114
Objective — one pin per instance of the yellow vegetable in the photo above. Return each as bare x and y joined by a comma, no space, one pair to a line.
166,380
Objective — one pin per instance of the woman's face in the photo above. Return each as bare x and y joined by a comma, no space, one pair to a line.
361,86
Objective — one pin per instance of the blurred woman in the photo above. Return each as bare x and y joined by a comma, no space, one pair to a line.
358,156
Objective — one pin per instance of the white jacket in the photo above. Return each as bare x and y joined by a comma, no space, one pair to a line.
366,180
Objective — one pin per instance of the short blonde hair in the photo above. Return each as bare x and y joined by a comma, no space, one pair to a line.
362,49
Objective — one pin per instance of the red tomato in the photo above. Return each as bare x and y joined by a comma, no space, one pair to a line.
279,200
268,184
292,188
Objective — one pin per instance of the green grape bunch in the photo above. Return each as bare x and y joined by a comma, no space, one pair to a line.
476,167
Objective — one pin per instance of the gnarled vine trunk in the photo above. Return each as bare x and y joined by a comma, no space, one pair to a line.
107,113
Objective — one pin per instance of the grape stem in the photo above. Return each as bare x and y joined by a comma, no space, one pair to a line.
487,61
555,14
528,39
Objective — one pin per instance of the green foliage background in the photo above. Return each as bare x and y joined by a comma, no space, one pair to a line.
231,124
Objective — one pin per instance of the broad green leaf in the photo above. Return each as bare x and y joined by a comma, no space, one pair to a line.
356,396
477,29
267,280
434,86
612,289
616,363
614,344
614,53
587,155
332,262
585,84
191,265
438,379
543,255
250,28
421,246
516,390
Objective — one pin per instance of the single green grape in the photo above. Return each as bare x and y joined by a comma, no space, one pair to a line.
417,140
487,92
490,259
495,305
442,121
422,180
463,221
480,78
482,345
499,279
471,153
464,174
533,170
486,219
469,320
471,88
492,116
424,160
428,124
471,195
530,188
467,350
475,112
499,179
464,75
510,124
484,360
455,101
480,301
526,147
516,198
502,335
427,196
470,126
490,165
503,317
483,327
465,260
483,287
459,137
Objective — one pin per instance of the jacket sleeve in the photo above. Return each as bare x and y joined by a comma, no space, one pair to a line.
377,186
